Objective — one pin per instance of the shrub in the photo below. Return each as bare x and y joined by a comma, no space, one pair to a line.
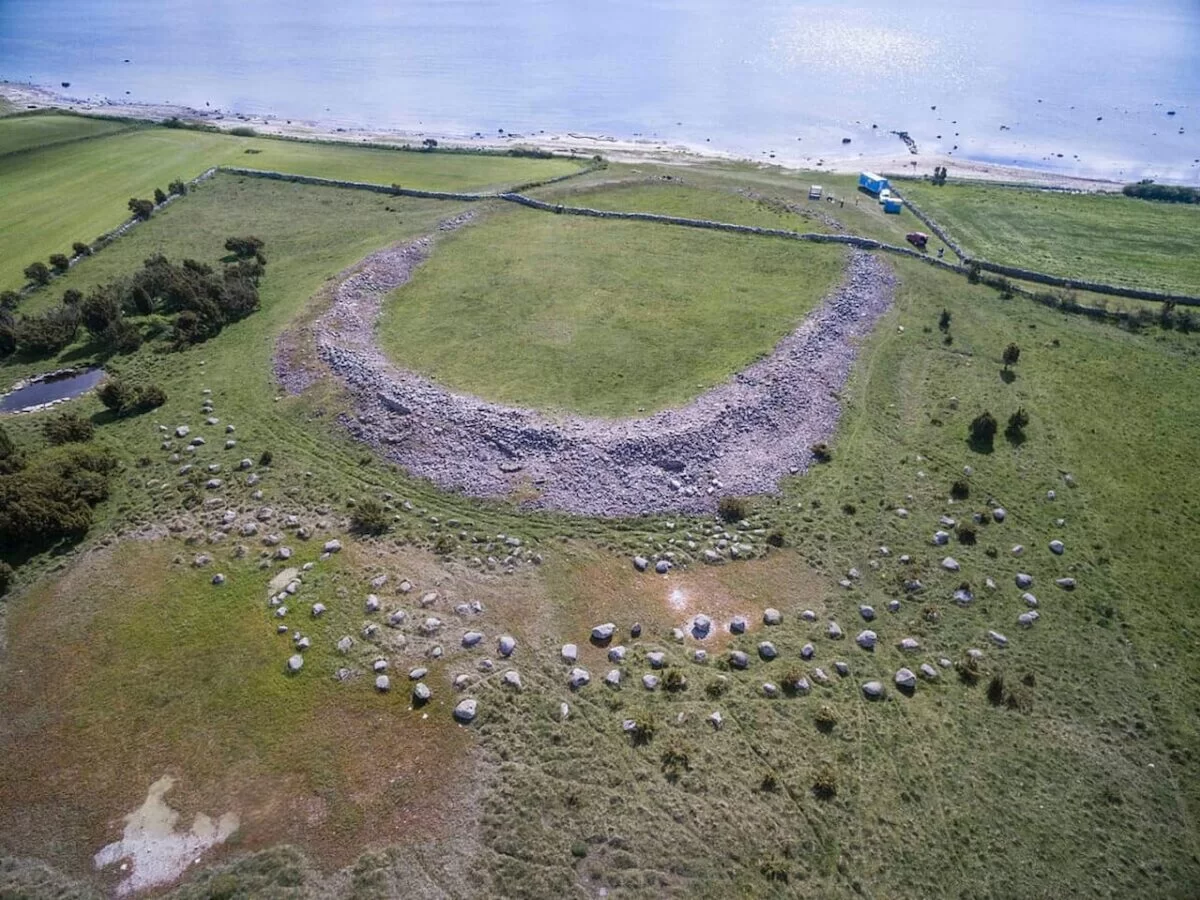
675,760
674,681
69,428
48,333
122,336
370,517
59,262
776,538
716,688
967,534
643,729
71,297
6,574
159,197
37,272
995,690
821,452
101,308
1015,430
983,430
141,209
243,247
732,509
265,458
973,273
243,131
8,335
127,399
826,718
53,497
79,248
178,187
944,321
961,489
968,670
9,299
825,783
1012,353
11,460
1146,189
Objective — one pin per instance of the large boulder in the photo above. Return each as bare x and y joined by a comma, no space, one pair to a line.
867,639
873,690
602,633
465,710
578,678
906,680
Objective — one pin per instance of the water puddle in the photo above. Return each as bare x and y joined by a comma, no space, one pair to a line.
151,851
53,387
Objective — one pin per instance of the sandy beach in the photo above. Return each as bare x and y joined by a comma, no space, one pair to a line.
902,162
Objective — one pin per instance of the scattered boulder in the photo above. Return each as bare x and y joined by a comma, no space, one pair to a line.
1017,550
640,563
841,668
950,564
512,678
295,662
506,645
997,638
218,579
819,676
963,596
910,644
738,625
715,719
1024,580
867,639
867,612
472,638
808,616
334,546
999,514
906,680
662,567
578,678
616,654
570,653
928,672
649,682
767,650
396,618
317,610
739,660
372,604
770,690
1067,584
421,693
834,631
808,651
613,678
701,626
418,673
603,633
873,690
1026,619
1030,600
1057,548
383,684
344,644
430,626
656,658
772,616
940,538
466,710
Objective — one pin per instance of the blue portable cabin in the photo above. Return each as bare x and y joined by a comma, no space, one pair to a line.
871,182
892,204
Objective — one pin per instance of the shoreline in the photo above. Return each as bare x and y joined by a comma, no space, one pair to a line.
621,150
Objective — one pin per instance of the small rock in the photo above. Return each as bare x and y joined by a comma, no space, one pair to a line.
1051,495
578,678
657,659
506,645
640,563
772,616
739,660
218,579
834,631
295,662
902,512
512,678
999,514
867,612
950,564
910,644
616,654
428,599
808,616
421,693
715,719
372,604
1067,584
1024,580
963,596
841,668
603,633
380,665
317,610
807,651
872,690
662,567
1030,600
767,650
1057,548
396,618
570,653
701,626
770,690
383,684
344,644
613,678
635,630
928,672
649,682
700,655
334,546
466,710
472,638
1026,619
819,675
997,638
893,606
867,639
906,680
430,626
738,625
940,538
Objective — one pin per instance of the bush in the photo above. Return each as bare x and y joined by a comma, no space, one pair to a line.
48,333
159,197
11,460
825,783
1012,353
370,517
776,539
243,131
38,273
122,336
53,498
6,575
674,681
944,321
8,335
716,688
973,273
59,262
243,247
983,431
101,308
141,209
79,248
1146,189
9,299
69,428
967,535
732,509
1015,429
821,452
995,691
961,489
71,297
127,399
675,760
266,458
643,729
178,187
968,670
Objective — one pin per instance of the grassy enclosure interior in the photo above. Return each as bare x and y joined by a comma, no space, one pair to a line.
1078,775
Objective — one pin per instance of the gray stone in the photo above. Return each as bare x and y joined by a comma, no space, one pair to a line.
182,431
616,654
998,639
640,563
975,653
867,612
635,630
867,639
430,626
602,633
1024,580
940,538
767,650
213,483
1026,619
656,658
428,599
712,556
999,514
405,586
893,606
1051,495
372,604
739,660
418,673
506,645
701,626
466,710
905,679
396,618
1030,600
564,711
578,678
943,662
281,629
807,651
913,586
344,644
872,690
421,693
295,663
334,546
910,644
834,631
677,635
902,512
947,522
841,668
770,690
317,610
715,719
854,574
662,567
1017,550
700,655
963,596
512,678
218,579
819,675
928,672
472,638
613,678
950,564
649,682
383,684
380,665
1067,584
738,625
808,616
280,612
772,616
1057,548
570,653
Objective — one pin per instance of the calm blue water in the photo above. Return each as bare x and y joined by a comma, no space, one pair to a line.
50,390
790,77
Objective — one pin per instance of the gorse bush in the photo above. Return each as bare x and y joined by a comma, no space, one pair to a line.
37,272
983,431
370,517
159,197
52,498
732,509
11,459
243,247
127,398
69,428
47,333
1015,429
59,262
79,248
141,209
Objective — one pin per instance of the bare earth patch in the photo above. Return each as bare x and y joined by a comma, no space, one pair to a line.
739,438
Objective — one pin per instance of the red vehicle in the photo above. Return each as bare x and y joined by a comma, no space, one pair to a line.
918,239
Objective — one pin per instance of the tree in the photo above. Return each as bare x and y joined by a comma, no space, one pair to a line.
48,333
101,308
9,299
60,263
1011,354
69,428
983,431
11,460
177,187
71,297
38,273
944,321
430,143
141,209
159,197
243,247
1015,430
79,248
8,335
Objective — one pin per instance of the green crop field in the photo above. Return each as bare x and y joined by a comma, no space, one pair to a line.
25,133
75,192
530,309
1101,237
1067,765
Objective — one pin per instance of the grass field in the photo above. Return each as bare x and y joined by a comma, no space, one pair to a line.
1102,237
530,309
24,133
75,192
1088,786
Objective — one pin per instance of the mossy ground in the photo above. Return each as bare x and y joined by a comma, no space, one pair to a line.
121,662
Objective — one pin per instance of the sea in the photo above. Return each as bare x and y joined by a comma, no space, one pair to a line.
1095,88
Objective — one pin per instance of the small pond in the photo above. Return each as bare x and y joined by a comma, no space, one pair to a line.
50,388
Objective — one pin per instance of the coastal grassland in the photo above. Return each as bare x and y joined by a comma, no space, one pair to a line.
25,133
599,317
78,191
1102,237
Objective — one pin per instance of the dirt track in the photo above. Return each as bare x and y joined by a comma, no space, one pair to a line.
740,437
